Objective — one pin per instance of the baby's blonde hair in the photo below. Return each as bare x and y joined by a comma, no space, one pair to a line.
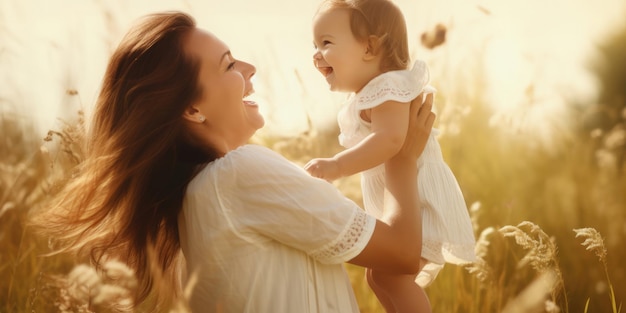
382,19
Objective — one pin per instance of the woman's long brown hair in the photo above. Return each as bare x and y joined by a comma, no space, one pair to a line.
125,201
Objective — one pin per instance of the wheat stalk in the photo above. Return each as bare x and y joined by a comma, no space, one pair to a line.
595,243
542,252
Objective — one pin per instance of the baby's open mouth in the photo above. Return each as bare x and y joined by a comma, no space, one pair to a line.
326,70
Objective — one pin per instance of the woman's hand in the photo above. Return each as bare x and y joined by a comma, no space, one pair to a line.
421,120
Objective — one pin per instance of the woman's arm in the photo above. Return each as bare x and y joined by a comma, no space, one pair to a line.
389,126
396,243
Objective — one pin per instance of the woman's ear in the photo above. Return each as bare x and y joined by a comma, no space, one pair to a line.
193,115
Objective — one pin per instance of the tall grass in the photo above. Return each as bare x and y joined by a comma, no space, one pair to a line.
526,202
24,187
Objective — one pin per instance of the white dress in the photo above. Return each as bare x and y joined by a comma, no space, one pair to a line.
448,236
262,235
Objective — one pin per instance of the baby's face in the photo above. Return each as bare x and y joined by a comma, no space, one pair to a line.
339,56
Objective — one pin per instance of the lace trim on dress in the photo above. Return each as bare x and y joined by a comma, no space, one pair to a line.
345,241
400,85
386,92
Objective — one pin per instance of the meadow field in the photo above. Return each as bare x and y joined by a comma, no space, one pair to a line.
546,193
550,221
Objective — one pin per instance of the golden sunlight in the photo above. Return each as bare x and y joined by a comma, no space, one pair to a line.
528,54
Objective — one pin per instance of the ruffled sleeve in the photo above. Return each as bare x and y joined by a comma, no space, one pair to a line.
269,198
401,86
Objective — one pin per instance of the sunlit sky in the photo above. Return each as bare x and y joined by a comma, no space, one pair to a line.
47,47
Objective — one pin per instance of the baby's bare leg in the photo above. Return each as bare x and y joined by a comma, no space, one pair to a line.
406,295
381,295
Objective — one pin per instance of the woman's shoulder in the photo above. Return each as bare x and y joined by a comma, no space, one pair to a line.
250,159
400,85
246,156
254,155
244,159
249,150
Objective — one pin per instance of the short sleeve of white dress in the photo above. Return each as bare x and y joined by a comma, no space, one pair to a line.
402,86
277,199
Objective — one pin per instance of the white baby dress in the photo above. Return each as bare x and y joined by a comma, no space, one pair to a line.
447,230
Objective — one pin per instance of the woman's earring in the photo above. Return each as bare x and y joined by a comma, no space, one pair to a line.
201,118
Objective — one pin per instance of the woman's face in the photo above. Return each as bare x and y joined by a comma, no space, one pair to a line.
225,83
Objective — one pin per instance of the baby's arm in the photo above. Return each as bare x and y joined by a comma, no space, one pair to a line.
389,125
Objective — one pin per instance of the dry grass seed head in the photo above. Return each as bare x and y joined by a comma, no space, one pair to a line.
480,268
593,241
82,282
552,307
85,289
542,250
482,244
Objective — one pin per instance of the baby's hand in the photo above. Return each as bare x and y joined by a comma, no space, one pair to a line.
324,168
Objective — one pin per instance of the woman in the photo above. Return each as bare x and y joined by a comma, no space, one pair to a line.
169,167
